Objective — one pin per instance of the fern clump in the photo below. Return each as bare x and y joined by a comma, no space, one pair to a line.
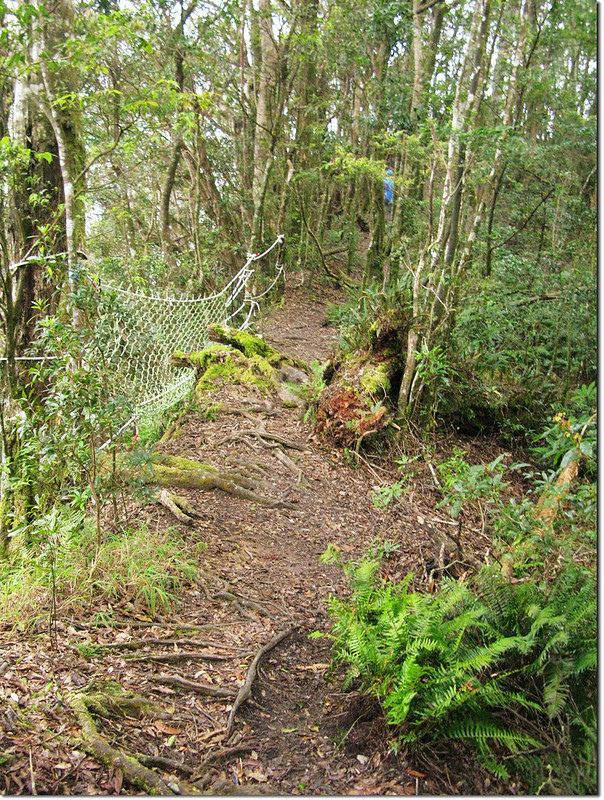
491,663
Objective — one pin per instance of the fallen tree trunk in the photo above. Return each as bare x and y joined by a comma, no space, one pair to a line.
251,346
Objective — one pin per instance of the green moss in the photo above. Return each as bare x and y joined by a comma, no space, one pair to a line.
180,462
200,360
246,343
374,379
222,365
251,346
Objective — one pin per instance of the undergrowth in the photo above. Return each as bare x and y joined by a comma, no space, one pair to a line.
505,660
64,570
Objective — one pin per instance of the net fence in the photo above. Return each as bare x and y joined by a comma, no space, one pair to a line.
146,330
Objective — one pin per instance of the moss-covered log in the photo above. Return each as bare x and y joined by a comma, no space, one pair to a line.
239,358
220,365
251,345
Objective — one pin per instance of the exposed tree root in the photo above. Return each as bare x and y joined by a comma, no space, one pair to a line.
105,705
165,763
246,689
255,605
225,752
183,510
170,471
263,435
248,413
169,658
200,688
291,465
136,644
249,465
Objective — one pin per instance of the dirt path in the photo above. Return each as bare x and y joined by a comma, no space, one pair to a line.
261,576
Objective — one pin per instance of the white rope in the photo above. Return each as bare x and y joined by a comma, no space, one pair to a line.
31,358
159,298
277,241
279,273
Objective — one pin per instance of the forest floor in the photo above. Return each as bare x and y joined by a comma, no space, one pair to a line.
260,579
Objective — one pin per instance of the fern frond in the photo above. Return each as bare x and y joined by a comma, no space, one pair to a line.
484,730
588,660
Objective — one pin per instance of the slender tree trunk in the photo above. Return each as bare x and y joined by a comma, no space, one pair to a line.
39,125
263,128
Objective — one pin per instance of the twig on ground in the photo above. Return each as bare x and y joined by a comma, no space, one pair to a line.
434,477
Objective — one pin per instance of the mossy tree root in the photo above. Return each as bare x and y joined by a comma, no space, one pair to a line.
174,472
134,772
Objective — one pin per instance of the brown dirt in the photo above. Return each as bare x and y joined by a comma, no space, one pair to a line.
299,733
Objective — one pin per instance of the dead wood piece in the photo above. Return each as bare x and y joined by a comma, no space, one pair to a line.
549,501
168,658
200,688
223,594
134,772
246,689
441,560
434,476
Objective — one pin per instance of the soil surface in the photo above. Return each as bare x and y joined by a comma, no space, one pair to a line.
260,584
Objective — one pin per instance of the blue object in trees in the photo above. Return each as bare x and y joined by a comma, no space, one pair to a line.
388,187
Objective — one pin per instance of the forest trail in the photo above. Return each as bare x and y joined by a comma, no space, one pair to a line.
298,733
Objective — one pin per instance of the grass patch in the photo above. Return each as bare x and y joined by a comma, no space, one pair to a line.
62,571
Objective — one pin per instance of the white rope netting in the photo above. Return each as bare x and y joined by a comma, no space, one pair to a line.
147,330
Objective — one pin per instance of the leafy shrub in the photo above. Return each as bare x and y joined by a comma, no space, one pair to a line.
463,482
573,434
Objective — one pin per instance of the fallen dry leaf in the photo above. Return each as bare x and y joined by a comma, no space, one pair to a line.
163,728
